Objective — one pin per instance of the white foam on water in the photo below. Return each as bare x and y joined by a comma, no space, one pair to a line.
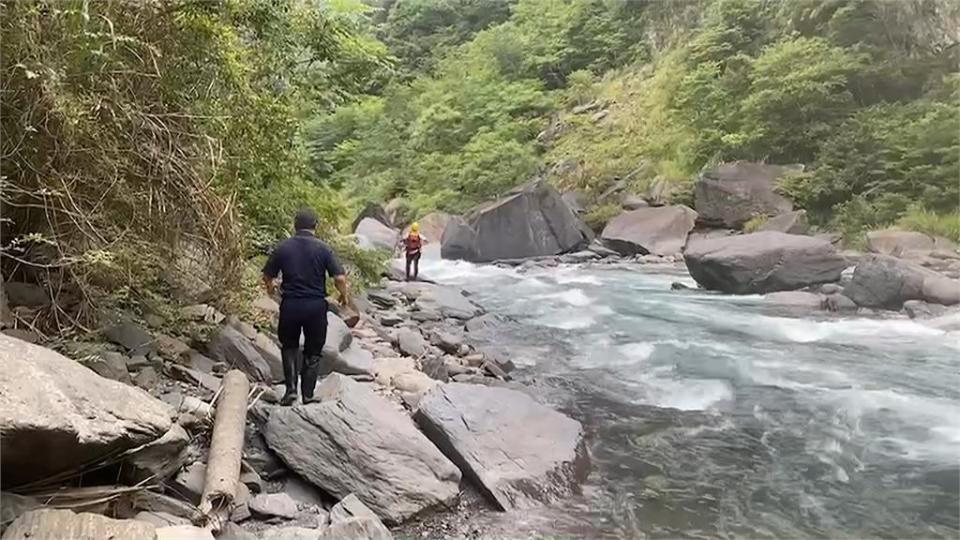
574,320
574,297
566,275
690,394
637,351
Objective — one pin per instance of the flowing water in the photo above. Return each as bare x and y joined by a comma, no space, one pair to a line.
718,416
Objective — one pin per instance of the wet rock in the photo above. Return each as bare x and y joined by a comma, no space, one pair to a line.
578,257
391,466
46,524
529,222
791,223
519,452
447,302
794,299
733,193
763,262
411,342
228,345
660,230
677,286
67,415
487,322
279,505
918,309
881,281
839,303
131,337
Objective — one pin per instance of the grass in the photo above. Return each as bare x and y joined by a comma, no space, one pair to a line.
925,221
754,223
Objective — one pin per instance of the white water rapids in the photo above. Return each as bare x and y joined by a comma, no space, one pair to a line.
721,416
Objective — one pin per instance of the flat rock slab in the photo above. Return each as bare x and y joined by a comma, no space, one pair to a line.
56,415
442,300
354,441
519,452
660,231
63,524
350,507
881,281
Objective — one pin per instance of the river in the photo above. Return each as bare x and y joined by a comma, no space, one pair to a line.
719,416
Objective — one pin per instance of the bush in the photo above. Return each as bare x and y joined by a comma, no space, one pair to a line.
753,224
598,216
921,220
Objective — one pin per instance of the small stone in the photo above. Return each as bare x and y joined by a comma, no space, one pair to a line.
137,362
232,531
391,319
130,336
110,365
357,529
190,481
350,507
240,512
830,288
447,341
252,480
273,505
147,378
411,342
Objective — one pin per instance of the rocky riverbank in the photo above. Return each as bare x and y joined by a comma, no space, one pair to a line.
416,428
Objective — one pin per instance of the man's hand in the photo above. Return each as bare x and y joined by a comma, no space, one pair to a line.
269,284
341,283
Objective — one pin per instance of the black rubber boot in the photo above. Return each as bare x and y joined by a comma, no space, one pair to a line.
308,377
291,359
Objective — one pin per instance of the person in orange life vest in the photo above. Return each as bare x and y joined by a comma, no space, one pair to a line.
413,244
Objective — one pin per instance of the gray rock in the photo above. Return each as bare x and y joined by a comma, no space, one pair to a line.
763,262
660,230
448,302
151,501
432,227
574,200
252,480
448,342
49,524
110,365
353,361
411,342
435,368
23,334
426,316
484,323
391,319
290,533
379,235
791,223
357,529
183,532
519,453
881,281
138,362
839,303
831,288
202,312
633,202
190,481
232,531
302,492
270,352
171,348
266,506
339,337
350,507
733,193
794,299
161,519
67,415
918,309
13,506
131,337
391,466
601,250
529,222
231,347
905,244
246,329
381,298
208,382
579,257
23,294
159,459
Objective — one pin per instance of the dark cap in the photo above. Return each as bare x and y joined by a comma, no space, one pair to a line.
305,219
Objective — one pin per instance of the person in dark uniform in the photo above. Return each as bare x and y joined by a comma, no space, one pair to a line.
304,262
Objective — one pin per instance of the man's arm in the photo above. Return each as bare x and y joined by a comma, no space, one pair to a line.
270,272
269,284
344,288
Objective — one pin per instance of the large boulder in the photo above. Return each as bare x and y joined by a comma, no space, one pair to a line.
432,226
532,221
354,441
881,281
762,262
661,230
906,244
791,223
379,235
517,451
733,193
444,301
56,415
373,211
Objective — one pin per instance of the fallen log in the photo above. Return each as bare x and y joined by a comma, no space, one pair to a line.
226,446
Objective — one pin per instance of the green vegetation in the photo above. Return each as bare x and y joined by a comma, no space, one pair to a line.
862,92
754,224
134,133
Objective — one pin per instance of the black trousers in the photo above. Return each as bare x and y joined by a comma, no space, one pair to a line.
413,258
306,316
